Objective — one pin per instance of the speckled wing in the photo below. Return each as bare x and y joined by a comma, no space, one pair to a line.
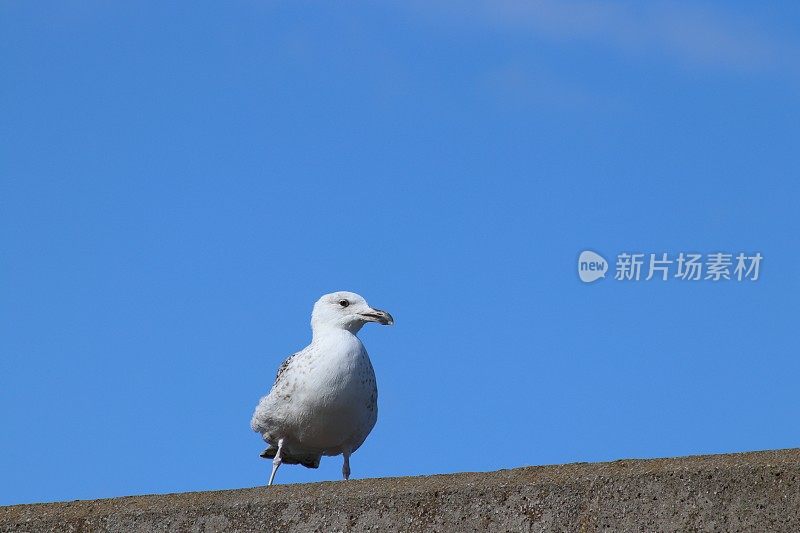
282,369
260,414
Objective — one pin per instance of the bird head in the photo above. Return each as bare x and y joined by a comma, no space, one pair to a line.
346,310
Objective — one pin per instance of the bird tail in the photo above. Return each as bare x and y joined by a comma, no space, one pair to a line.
308,461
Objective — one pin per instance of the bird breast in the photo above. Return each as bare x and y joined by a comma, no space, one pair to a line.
330,403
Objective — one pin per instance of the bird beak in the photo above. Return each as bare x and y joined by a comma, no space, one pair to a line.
376,315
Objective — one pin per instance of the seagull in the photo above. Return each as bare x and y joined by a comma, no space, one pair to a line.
325,399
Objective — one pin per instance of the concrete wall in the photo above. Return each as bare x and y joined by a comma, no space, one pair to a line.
740,492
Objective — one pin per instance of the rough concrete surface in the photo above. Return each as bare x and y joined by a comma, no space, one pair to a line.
756,491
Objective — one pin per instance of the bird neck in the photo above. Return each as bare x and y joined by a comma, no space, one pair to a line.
324,328
325,334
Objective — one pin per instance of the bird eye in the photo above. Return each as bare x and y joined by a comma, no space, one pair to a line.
344,303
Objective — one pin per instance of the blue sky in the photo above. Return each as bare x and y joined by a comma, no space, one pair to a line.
179,182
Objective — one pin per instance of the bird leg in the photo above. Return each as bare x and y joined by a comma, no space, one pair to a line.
346,465
276,462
